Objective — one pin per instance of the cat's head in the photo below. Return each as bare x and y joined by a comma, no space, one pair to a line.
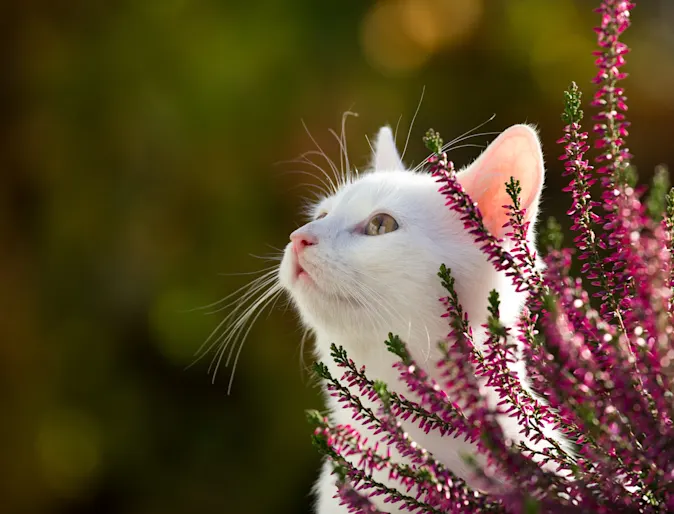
368,258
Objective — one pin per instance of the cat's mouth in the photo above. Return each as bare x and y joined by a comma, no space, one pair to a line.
299,273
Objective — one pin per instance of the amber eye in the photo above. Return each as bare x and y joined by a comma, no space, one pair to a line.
381,224
321,215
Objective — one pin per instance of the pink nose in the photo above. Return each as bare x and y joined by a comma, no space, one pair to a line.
301,240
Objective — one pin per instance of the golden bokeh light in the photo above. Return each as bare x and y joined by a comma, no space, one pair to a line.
436,24
386,43
400,36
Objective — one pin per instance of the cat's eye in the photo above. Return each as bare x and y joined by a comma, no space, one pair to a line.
381,224
321,215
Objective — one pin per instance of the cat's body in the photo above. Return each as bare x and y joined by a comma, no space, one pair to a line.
352,287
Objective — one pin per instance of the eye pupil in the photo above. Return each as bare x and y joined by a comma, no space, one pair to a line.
381,224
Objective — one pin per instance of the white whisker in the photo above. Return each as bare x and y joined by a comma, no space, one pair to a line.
303,367
268,258
369,143
266,271
243,274
343,173
243,340
323,187
395,133
317,192
409,132
304,159
250,290
450,145
471,131
344,165
240,313
279,250
322,153
325,180
463,137
468,145
343,133
239,330
428,348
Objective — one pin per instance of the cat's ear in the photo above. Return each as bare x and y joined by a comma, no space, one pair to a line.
515,153
386,156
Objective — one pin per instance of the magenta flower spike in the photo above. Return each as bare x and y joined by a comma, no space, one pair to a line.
611,126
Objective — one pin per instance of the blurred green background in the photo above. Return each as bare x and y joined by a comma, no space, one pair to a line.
140,143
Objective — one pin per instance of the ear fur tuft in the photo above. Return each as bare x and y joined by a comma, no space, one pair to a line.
386,157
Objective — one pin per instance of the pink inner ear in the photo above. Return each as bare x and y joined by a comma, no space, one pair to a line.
515,153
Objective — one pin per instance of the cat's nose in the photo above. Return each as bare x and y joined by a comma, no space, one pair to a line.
301,239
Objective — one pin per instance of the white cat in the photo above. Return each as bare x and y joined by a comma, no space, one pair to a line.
367,265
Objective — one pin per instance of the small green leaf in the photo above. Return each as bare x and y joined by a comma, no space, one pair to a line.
320,442
572,111
494,324
552,237
314,417
338,354
514,190
322,370
657,204
340,471
445,275
494,303
397,347
382,391
550,304
433,141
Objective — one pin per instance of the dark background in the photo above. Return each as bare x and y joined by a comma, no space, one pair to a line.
138,150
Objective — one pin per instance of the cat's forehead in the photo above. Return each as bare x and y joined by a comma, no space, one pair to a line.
375,190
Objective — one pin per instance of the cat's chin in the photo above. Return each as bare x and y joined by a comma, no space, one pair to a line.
309,296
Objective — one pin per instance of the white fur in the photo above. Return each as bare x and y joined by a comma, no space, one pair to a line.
363,287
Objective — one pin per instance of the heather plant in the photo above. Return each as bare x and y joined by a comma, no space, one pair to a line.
599,346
